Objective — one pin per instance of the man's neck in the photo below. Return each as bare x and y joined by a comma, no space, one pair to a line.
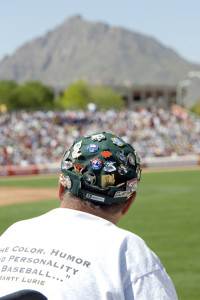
96,212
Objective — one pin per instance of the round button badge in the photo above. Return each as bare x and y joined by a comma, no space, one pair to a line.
92,148
95,163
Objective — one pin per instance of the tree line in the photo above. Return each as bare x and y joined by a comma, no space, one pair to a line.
35,95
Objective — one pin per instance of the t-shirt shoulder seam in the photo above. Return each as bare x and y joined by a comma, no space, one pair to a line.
148,273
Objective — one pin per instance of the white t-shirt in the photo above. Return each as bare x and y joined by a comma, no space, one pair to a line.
68,254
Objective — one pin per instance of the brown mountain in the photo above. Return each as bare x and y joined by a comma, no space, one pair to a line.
97,52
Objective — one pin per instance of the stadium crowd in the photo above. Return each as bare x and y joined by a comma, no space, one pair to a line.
41,137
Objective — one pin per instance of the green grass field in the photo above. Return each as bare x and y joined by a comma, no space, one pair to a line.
166,214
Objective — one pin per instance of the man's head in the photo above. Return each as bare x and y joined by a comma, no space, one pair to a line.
101,169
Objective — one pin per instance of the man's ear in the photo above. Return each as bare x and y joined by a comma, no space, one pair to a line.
128,204
61,190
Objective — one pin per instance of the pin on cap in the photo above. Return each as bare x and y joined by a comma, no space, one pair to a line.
131,159
77,146
117,141
89,178
95,163
123,170
131,185
121,156
98,137
78,168
109,166
106,154
65,180
92,148
107,180
76,153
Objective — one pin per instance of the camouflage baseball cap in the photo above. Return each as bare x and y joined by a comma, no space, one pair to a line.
101,168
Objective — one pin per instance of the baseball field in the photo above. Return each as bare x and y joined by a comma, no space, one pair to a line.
166,214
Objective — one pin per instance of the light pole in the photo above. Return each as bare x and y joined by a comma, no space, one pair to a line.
180,91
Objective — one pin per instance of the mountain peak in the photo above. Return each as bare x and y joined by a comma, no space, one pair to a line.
96,52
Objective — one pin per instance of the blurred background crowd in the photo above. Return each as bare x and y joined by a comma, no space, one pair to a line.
42,137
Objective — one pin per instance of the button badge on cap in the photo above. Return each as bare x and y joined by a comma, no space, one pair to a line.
65,181
123,170
106,154
109,166
92,148
95,163
117,141
131,159
121,156
77,146
89,178
98,137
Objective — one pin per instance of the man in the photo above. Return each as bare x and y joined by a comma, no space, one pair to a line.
77,251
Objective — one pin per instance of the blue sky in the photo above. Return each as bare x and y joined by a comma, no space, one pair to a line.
174,23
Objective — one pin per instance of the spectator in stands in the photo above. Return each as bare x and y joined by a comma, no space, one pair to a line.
40,137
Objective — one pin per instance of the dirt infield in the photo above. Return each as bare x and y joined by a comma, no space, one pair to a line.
12,195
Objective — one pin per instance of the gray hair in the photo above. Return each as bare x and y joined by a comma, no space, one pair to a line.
114,208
